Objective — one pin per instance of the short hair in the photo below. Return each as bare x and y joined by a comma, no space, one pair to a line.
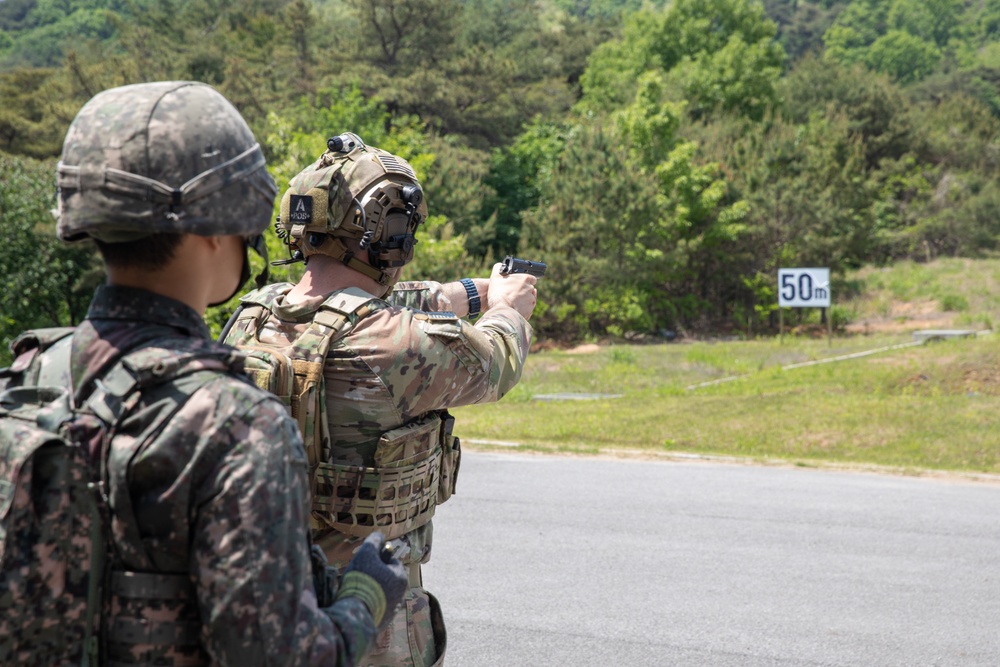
150,252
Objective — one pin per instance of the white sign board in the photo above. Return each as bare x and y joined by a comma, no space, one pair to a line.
804,288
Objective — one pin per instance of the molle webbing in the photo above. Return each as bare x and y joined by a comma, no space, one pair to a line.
357,500
396,497
135,639
401,491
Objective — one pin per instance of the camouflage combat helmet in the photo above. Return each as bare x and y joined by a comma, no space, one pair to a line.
167,157
356,192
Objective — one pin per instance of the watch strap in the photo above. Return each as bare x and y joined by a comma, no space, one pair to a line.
474,301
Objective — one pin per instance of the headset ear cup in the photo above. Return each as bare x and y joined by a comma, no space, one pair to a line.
413,195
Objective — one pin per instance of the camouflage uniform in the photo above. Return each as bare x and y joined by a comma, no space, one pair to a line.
368,380
207,496
394,366
205,476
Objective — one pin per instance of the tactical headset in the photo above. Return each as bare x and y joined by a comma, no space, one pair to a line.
354,192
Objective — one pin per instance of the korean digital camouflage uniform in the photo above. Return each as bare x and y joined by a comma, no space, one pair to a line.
206,476
202,495
391,369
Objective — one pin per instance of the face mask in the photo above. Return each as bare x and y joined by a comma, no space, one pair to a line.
260,247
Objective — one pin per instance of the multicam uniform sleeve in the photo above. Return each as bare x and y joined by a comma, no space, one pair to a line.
430,361
420,295
250,551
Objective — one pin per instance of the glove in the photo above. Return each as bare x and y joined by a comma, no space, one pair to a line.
376,578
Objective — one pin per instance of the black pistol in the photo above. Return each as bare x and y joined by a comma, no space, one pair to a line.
512,264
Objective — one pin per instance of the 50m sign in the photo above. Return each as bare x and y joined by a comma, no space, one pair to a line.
804,288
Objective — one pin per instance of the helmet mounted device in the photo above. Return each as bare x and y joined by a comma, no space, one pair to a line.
354,193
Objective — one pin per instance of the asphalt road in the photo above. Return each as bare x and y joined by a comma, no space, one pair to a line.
595,562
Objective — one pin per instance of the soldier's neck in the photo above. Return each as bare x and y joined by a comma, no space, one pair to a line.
200,272
324,275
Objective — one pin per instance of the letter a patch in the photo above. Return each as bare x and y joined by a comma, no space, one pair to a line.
301,209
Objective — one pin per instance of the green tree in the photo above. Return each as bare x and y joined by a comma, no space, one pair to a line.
634,222
874,107
27,123
480,70
513,184
40,32
905,39
934,21
904,57
720,54
45,283
614,66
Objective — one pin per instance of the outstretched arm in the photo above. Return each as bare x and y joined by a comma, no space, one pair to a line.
437,297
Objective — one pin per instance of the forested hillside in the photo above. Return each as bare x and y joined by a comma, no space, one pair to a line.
665,158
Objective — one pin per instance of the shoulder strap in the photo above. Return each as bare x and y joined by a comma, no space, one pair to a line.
336,317
346,307
253,309
333,320
120,388
265,296
42,339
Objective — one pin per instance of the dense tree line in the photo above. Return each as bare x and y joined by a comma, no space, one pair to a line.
664,157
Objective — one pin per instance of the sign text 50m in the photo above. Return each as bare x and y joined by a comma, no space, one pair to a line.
804,288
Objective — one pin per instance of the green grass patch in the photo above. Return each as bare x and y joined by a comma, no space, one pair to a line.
931,407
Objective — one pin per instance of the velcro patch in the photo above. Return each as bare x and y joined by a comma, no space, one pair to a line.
301,209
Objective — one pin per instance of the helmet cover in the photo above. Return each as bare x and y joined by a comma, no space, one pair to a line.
166,157
357,192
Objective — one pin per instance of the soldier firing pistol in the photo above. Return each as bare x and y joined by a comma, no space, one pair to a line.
512,264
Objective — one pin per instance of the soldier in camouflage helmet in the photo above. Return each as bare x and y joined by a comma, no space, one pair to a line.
376,364
206,474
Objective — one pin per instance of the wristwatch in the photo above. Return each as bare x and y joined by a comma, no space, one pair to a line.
474,303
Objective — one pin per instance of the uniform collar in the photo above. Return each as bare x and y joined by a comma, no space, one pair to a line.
114,302
299,311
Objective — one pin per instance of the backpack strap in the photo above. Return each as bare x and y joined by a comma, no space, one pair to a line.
120,389
189,364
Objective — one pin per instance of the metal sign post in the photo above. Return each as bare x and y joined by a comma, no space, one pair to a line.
804,288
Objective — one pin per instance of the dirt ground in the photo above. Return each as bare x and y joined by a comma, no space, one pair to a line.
904,317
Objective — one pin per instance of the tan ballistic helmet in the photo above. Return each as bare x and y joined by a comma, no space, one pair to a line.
356,192
167,157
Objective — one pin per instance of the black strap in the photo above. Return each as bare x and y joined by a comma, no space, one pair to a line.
152,586
230,324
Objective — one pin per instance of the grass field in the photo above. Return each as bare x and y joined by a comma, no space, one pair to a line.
935,406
